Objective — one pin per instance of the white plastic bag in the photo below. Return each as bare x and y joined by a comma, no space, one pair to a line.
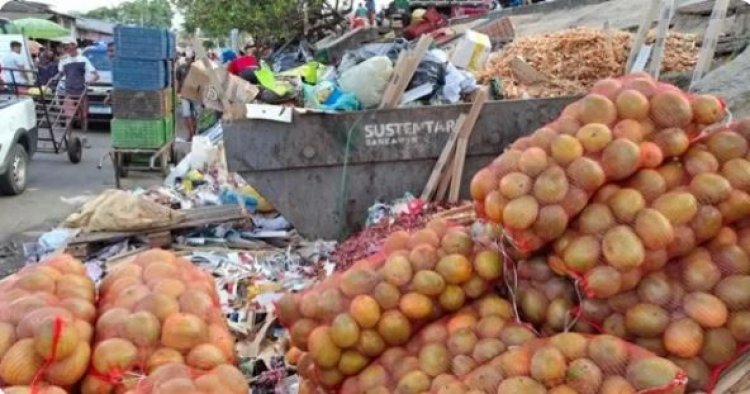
367,80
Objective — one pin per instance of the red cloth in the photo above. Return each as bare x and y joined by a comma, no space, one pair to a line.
238,65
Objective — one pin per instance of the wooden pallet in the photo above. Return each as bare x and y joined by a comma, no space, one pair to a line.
160,237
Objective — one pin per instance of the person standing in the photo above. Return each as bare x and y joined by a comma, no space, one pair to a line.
361,11
370,11
48,66
75,68
15,66
188,108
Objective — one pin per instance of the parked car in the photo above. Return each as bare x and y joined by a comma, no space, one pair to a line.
100,109
18,138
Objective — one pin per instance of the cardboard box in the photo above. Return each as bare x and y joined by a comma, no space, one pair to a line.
472,51
198,87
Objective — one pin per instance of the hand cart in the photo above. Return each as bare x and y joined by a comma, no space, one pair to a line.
123,160
56,112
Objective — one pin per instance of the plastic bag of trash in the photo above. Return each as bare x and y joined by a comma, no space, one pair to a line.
457,82
431,70
368,80
328,96
294,55
359,55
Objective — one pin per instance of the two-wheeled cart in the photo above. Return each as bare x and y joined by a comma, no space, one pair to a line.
56,115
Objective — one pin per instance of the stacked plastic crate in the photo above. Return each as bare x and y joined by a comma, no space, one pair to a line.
143,98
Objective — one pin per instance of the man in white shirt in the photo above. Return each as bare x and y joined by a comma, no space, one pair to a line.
75,68
15,66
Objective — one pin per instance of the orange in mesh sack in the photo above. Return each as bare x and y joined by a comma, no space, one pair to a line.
695,311
543,298
158,310
352,317
456,344
635,227
46,312
543,181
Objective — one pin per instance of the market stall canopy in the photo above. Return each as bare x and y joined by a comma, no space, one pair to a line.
41,29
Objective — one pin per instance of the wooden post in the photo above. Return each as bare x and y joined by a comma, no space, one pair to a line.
463,143
657,57
706,56
640,36
442,161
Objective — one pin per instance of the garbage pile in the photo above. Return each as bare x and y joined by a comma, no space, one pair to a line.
574,59
620,265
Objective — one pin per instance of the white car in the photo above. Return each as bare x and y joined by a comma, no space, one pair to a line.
18,136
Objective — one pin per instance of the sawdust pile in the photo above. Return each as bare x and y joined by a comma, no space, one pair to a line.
574,59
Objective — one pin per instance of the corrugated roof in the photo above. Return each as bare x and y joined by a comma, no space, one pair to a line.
95,25
20,15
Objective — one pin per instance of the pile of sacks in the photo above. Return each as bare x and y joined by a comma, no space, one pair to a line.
622,265
156,324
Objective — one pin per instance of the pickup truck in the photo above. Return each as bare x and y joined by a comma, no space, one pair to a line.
18,137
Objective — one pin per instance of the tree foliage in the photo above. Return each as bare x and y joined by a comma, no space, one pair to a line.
263,19
153,13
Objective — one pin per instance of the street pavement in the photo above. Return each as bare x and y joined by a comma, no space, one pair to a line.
52,178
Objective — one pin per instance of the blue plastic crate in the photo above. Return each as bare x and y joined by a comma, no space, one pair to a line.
142,43
139,74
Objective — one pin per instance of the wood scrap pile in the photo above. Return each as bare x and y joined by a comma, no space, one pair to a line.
575,59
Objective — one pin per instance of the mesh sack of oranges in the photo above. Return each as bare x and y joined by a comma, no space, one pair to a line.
544,299
571,363
46,315
543,181
636,226
417,278
456,344
154,310
695,311
568,363
178,378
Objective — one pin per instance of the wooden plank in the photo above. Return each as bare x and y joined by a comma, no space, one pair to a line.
196,217
442,161
706,55
662,29
640,36
405,68
526,73
467,127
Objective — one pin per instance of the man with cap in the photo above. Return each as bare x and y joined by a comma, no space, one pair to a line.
74,68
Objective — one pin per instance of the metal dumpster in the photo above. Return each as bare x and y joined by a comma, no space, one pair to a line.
324,185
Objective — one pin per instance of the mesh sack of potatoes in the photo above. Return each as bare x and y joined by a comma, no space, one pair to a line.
456,345
46,315
154,310
635,227
695,311
416,279
543,181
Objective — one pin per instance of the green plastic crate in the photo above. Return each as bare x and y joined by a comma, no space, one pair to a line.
141,133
